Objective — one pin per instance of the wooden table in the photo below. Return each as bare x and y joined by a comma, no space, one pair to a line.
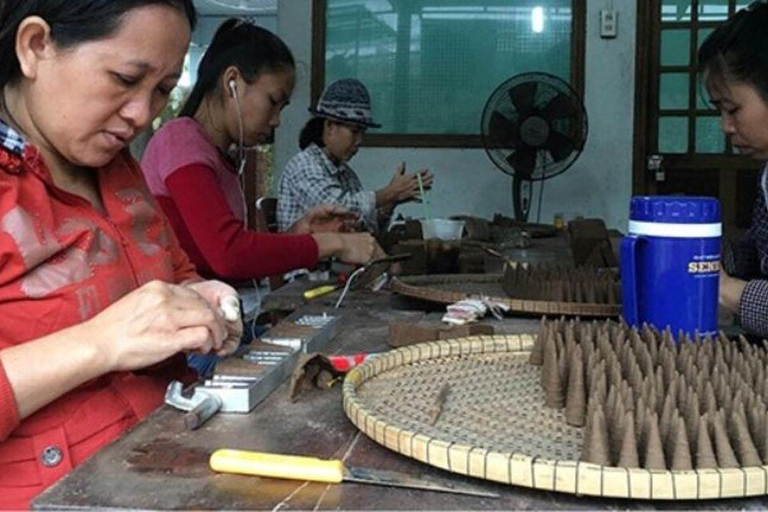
160,465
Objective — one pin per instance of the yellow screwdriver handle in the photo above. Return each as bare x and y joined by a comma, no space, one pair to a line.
277,466
319,291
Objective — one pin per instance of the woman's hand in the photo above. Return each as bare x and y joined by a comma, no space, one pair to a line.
224,299
404,187
156,321
325,218
731,290
353,248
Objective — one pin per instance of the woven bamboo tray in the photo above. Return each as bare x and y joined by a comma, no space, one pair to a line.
450,288
493,424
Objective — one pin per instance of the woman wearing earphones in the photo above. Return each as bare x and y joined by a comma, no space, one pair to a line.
245,79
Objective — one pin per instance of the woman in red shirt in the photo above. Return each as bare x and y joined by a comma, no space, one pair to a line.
97,299
245,79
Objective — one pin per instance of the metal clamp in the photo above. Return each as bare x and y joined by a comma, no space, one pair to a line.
200,406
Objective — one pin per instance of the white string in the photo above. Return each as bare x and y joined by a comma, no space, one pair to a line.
241,155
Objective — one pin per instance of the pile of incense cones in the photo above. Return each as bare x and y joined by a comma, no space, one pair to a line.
561,283
649,400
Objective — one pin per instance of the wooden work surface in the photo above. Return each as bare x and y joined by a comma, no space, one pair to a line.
160,465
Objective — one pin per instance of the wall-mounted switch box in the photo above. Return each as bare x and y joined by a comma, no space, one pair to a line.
609,23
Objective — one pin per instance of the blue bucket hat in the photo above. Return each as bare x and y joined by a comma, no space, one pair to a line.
347,101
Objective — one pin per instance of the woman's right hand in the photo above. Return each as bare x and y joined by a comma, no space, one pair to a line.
153,323
353,248
405,187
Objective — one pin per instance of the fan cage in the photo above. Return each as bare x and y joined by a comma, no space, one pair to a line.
574,125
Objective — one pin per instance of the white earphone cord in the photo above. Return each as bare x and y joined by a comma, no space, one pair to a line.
240,169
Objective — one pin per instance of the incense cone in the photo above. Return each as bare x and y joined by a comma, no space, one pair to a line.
725,456
745,448
554,393
764,445
654,453
756,427
681,452
596,448
549,361
705,454
666,416
616,429
576,403
628,457
709,399
537,352
692,415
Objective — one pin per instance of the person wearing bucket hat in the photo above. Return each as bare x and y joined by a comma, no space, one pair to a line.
734,65
320,173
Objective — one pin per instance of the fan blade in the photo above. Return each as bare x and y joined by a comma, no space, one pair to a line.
523,161
559,146
560,107
523,96
503,132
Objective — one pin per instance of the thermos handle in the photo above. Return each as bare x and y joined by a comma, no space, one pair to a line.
629,279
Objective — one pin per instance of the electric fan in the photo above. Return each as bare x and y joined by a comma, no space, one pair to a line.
534,127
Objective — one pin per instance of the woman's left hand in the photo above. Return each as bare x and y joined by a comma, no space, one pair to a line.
731,290
226,302
325,218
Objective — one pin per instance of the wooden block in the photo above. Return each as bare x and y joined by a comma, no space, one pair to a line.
565,476
526,342
378,430
497,468
463,331
391,437
757,478
590,480
355,378
458,458
661,485
521,470
477,462
408,333
733,483
417,263
466,345
709,483
414,353
686,485
640,484
437,453
405,441
445,348
413,230
419,447
544,475
616,482
471,262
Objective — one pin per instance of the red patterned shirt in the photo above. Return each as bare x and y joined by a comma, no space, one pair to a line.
61,263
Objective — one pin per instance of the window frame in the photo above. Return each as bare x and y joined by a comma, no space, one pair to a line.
319,10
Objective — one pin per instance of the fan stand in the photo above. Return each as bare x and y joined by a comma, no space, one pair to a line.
521,201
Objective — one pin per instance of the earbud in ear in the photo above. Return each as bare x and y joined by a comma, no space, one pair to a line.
233,88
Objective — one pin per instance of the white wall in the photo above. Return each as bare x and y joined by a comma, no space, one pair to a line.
598,185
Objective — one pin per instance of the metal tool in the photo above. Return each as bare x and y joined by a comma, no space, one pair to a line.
200,406
356,275
331,471
269,366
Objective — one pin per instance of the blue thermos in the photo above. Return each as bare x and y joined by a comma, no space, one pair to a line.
670,263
